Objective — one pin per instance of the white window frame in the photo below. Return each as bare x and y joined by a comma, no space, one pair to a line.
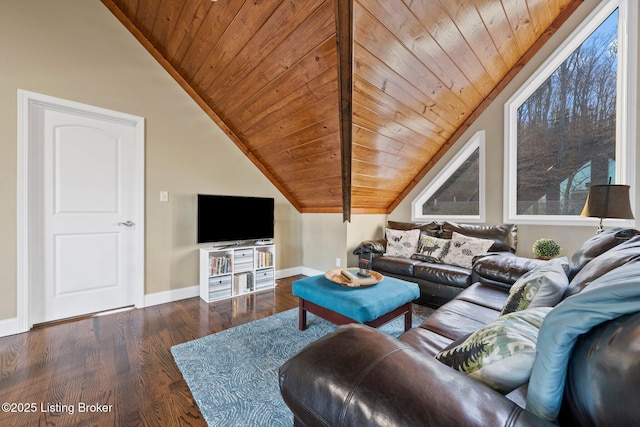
626,110
476,142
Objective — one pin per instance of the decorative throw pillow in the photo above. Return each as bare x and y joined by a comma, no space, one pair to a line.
541,287
501,353
432,247
463,248
402,243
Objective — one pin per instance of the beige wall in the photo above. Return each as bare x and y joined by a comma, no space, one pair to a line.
77,50
492,121
363,227
324,238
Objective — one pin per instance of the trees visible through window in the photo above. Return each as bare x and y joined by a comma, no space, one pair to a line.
459,195
572,124
566,129
458,191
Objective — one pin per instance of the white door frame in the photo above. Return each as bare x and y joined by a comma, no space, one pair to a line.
27,136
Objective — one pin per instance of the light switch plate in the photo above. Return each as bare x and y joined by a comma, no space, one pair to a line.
164,196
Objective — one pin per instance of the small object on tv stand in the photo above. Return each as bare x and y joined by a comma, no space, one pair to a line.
263,242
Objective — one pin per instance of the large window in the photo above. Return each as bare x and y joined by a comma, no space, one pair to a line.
457,193
568,127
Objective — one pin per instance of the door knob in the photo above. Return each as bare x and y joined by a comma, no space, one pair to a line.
127,223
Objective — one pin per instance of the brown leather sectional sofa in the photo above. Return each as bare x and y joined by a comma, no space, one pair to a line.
438,282
358,376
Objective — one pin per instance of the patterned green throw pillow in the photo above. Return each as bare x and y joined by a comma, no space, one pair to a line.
501,353
543,286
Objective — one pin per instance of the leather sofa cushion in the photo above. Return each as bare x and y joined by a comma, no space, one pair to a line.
444,274
627,251
599,244
502,268
431,228
395,265
485,296
503,235
604,375
435,294
458,318
425,341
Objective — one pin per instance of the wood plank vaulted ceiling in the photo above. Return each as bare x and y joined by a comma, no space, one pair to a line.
419,73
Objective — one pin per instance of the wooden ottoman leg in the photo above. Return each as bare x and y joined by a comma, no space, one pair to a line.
408,317
302,315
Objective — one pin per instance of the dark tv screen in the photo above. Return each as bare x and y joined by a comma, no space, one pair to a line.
232,218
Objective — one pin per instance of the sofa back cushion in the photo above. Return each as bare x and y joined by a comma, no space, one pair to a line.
431,228
504,236
599,244
623,253
603,382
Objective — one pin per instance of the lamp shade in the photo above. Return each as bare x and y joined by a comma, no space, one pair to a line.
608,201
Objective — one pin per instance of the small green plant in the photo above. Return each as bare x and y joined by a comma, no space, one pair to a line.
546,248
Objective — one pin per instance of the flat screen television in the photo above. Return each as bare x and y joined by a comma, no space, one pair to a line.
234,218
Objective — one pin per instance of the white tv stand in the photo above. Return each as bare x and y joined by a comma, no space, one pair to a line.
229,271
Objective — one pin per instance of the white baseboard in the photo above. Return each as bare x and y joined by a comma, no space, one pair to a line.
9,327
311,272
194,291
288,272
171,296
12,326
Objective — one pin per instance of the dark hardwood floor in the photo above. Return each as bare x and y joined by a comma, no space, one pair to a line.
120,363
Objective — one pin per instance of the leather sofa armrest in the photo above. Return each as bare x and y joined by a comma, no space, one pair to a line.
500,270
371,246
360,376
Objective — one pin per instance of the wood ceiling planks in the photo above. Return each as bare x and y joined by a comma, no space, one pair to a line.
267,72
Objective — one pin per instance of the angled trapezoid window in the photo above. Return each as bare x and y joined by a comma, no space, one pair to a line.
457,192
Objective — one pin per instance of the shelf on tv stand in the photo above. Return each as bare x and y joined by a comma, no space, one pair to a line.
233,270
265,242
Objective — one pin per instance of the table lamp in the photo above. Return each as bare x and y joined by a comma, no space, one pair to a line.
607,201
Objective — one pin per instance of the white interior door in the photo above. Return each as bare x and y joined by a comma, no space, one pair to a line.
86,215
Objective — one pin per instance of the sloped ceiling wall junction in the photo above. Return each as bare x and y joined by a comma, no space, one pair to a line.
266,71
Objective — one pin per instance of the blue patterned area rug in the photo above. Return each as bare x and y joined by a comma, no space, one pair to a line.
233,374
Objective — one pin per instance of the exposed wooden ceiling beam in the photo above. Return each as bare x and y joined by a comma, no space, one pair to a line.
344,40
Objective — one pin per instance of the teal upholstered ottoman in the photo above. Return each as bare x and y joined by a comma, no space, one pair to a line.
373,305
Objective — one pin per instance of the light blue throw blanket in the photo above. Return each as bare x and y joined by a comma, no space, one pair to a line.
610,296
